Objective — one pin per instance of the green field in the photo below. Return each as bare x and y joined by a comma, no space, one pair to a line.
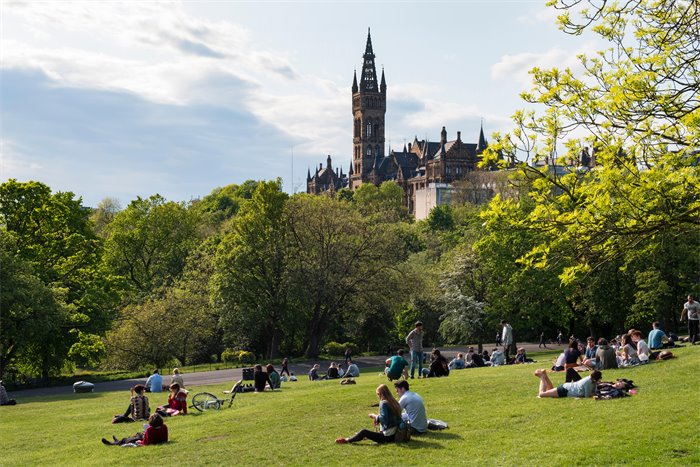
494,417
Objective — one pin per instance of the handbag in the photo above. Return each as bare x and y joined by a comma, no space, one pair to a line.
403,432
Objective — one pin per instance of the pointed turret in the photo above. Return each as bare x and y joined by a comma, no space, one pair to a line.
354,81
482,140
350,172
308,175
328,163
382,85
369,72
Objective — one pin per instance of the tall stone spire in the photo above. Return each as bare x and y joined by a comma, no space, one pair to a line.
354,81
368,81
482,139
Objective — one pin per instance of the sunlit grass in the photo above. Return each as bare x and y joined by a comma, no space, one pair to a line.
494,417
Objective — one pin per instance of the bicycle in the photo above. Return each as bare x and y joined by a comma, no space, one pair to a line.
204,401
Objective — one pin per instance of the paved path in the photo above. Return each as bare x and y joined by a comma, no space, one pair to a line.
203,378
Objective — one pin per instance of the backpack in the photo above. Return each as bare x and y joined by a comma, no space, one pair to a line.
403,432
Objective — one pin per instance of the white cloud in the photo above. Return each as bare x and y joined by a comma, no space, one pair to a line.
516,67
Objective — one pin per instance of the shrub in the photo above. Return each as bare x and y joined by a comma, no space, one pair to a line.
338,349
229,356
246,357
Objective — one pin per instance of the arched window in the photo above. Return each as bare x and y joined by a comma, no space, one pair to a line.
369,129
369,151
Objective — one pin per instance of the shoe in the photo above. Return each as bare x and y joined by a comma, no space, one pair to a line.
104,441
341,441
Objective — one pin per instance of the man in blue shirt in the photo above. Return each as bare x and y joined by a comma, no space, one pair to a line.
656,337
154,383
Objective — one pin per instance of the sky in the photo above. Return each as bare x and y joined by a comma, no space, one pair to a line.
133,98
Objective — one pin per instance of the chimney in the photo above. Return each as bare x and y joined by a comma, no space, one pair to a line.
459,136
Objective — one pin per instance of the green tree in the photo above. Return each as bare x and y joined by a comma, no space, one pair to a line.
148,243
251,280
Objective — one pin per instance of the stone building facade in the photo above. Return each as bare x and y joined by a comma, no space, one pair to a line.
417,166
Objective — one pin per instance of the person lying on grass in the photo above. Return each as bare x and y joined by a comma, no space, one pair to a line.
156,433
177,402
584,387
388,419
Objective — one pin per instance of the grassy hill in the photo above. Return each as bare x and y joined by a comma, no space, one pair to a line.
494,415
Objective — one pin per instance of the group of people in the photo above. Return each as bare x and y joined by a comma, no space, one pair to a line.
154,383
335,370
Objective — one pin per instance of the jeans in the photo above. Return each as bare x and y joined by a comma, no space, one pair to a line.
376,436
416,357
693,330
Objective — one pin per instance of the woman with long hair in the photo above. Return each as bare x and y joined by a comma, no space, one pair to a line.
388,419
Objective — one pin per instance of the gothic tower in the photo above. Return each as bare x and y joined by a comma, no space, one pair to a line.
368,111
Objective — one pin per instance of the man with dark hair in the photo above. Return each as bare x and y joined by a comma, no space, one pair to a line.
691,312
582,388
414,339
605,356
413,407
396,366
154,383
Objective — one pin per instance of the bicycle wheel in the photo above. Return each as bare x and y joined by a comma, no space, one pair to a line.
205,401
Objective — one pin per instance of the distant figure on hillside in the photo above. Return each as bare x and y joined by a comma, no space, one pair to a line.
332,372
542,341
584,387
498,338
156,433
457,363
177,378
438,365
560,338
657,337
521,356
4,398
388,419
261,379
507,336
348,355
353,371
154,383
313,372
605,356
275,377
414,339
285,367
477,360
396,366
497,358
691,312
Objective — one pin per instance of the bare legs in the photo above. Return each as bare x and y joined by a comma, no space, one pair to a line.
546,388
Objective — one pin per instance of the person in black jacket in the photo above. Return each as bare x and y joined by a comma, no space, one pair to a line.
438,365
261,378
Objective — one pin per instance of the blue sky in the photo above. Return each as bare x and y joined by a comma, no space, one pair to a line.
126,99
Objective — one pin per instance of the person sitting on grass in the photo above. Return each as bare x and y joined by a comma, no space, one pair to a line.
642,348
275,377
156,433
584,387
154,383
497,358
477,361
521,356
396,366
260,379
388,419
138,406
628,353
353,371
438,365
177,378
572,356
313,372
657,338
4,398
605,356
332,372
177,402
413,407
457,363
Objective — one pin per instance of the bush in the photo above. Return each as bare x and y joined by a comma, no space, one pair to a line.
237,356
338,349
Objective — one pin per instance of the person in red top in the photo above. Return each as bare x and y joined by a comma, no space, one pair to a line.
177,402
156,433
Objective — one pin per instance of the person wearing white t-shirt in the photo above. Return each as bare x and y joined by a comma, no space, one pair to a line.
691,312
642,347
413,407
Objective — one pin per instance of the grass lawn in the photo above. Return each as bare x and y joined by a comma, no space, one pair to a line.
494,417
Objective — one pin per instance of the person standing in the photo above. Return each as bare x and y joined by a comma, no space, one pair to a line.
560,338
285,367
498,338
507,336
414,339
413,407
542,342
691,312
348,355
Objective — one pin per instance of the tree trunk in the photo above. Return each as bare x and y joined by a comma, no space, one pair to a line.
275,343
315,333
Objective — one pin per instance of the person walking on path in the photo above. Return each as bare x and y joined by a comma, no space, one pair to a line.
691,312
542,342
414,339
507,336
285,367
560,338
